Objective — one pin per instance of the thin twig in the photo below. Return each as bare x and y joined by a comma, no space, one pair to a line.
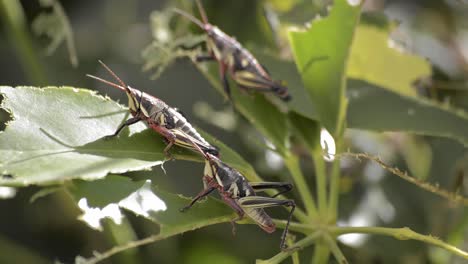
403,233
453,197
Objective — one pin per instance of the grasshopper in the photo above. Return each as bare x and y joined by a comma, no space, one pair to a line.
235,60
240,195
165,120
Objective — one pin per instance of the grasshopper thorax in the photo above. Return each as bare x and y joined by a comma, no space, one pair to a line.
143,104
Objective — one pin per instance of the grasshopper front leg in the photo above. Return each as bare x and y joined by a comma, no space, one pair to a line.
202,194
223,76
202,58
127,123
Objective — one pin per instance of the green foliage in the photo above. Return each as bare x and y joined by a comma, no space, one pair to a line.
56,134
62,138
374,60
393,111
49,149
113,189
321,53
56,26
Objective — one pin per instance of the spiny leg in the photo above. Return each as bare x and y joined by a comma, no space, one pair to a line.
202,58
129,122
169,137
199,196
282,187
264,202
223,76
234,205
193,46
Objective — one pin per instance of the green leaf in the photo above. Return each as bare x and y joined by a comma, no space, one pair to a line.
377,109
56,134
373,60
113,189
306,129
260,111
47,140
321,53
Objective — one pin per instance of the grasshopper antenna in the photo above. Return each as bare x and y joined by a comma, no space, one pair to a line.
107,82
122,85
202,12
115,76
189,17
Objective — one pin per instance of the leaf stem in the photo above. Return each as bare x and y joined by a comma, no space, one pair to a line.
403,233
292,163
133,244
69,39
333,246
301,244
321,177
321,252
298,227
334,187
451,196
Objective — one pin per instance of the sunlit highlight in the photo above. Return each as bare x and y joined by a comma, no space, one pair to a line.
141,202
7,192
328,145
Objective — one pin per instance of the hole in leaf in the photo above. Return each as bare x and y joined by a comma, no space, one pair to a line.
4,115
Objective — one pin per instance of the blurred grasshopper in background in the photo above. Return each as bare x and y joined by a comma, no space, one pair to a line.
165,120
232,58
240,195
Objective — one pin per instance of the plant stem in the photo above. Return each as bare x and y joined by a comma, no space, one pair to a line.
334,187
69,39
403,233
305,242
321,176
321,252
11,12
133,244
301,228
339,256
292,163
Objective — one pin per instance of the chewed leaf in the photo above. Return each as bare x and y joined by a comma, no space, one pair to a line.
56,134
321,54
52,131
373,60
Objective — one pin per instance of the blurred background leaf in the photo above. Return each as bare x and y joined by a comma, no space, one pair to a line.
321,53
118,32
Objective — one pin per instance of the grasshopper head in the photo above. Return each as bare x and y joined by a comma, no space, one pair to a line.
136,99
281,90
